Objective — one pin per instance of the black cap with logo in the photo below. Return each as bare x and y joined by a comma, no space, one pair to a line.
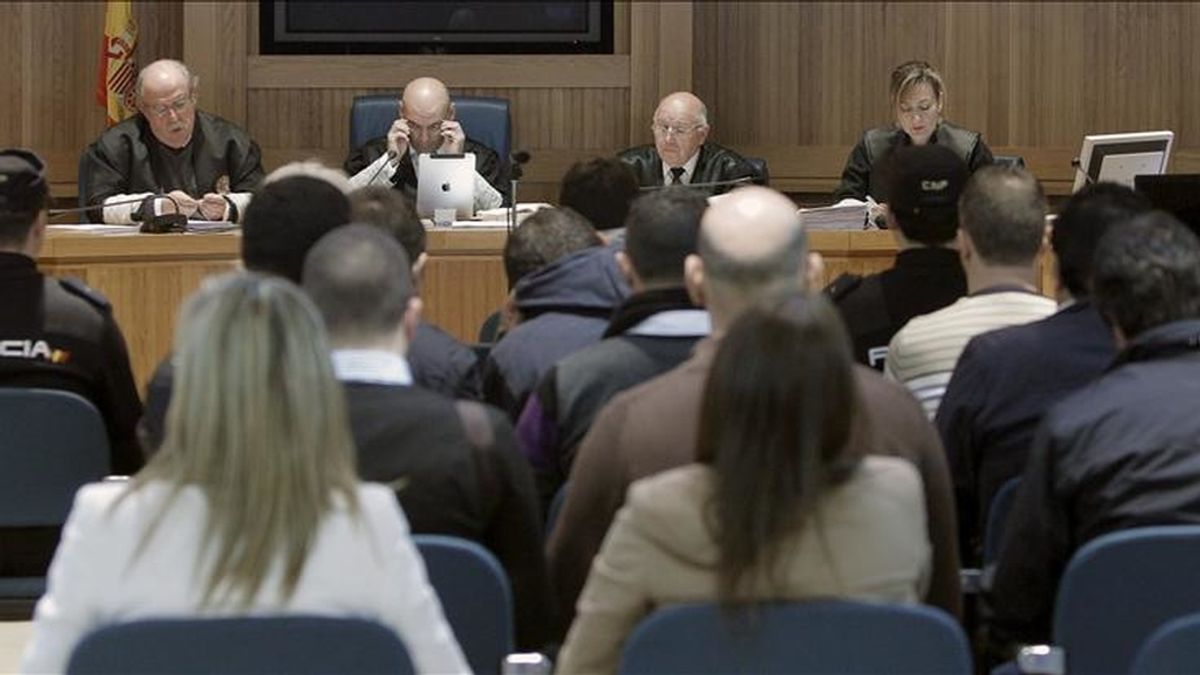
23,186
922,184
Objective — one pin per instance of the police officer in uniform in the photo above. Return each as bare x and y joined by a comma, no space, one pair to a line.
922,183
55,334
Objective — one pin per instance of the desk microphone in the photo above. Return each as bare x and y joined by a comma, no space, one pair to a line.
712,184
380,169
514,176
153,224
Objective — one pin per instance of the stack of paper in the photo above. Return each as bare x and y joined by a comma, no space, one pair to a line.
845,215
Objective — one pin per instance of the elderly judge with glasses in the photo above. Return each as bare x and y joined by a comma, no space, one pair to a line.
205,165
681,153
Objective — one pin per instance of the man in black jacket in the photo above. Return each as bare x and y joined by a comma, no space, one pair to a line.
55,334
681,153
425,123
1124,451
455,466
1007,379
650,333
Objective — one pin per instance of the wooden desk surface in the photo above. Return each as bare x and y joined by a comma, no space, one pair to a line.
147,277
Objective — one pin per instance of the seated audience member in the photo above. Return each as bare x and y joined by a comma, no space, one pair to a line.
1006,379
208,166
1002,221
681,153
923,186
425,123
55,334
285,219
777,505
600,190
751,251
455,466
917,95
564,287
1121,451
653,331
252,506
438,361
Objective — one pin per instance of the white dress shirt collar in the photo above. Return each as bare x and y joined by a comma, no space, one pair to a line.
689,169
371,366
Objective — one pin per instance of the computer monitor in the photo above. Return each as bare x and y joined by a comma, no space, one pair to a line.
1176,193
446,182
1117,158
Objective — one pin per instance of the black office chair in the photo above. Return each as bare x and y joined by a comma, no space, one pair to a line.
283,644
762,175
1009,160
51,443
484,119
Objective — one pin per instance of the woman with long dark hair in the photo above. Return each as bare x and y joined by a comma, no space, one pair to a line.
778,506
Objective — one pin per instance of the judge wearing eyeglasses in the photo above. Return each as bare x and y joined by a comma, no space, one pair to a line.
206,165
425,123
917,96
681,153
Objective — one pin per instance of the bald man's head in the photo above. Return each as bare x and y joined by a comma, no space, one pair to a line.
680,127
751,249
426,104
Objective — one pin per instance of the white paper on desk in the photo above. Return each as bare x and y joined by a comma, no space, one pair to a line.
501,213
96,228
848,214
210,225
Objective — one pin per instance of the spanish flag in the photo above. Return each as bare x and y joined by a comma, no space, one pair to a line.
118,71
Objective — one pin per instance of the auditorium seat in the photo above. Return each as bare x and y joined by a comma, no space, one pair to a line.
281,644
820,636
476,597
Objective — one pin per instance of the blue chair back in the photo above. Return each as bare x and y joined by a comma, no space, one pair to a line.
51,443
1016,161
1173,648
483,119
286,644
476,597
997,519
1121,587
824,636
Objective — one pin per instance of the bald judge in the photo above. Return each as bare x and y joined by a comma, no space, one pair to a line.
681,153
425,123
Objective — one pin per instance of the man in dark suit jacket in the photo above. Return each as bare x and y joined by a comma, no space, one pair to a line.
454,465
681,153
1006,380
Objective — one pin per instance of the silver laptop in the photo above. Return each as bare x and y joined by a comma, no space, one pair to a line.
446,182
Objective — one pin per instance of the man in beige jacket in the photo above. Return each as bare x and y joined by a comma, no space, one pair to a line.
751,250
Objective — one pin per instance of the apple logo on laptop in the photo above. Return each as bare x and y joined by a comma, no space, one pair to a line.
445,187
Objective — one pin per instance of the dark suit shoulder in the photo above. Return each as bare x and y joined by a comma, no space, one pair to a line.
842,286
79,289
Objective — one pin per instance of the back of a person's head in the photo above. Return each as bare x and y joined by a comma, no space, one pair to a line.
753,246
661,231
775,418
1146,273
600,190
358,278
251,368
1087,215
542,238
1003,210
921,185
391,210
285,219
23,195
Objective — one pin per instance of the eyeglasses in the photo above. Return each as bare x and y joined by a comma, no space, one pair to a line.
426,130
673,129
162,110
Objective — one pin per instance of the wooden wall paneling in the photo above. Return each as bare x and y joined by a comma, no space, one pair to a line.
214,47
13,75
661,49
160,30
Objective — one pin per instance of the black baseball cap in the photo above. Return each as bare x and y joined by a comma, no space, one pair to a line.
22,181
922,184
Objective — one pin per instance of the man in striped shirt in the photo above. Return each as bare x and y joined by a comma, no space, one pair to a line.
1001,228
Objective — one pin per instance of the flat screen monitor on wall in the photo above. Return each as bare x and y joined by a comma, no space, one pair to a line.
447,27
1117,158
